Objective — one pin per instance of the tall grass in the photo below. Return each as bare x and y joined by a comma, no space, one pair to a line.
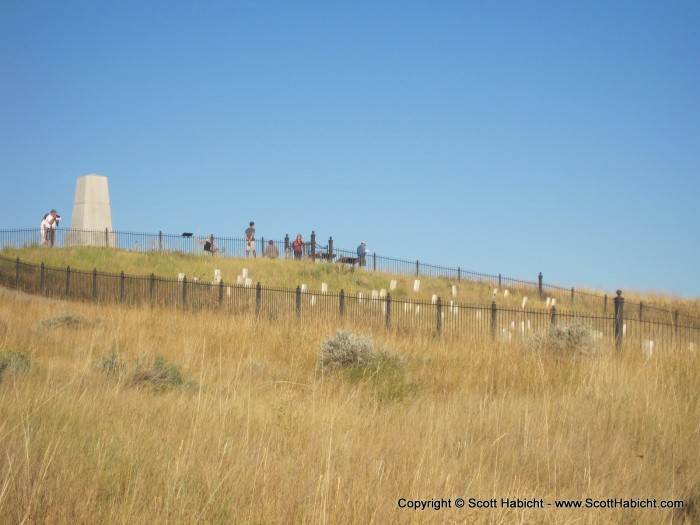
255,433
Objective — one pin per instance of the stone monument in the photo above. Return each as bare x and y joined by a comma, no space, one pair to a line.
91,222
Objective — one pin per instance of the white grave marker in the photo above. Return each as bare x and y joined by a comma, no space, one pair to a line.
648,347
495,292
313,300
304,288
392,285
180,277
524,303
240,279
228,291
245,272
375,295
324,288
454,290
506,294
248,282
416,285
382,292
549,302
434,299
554,301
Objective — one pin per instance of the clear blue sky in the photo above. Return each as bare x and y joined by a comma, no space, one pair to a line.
500,136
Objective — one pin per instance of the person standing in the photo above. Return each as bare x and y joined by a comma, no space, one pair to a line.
48,228
250,240
362,252
209,246
298,247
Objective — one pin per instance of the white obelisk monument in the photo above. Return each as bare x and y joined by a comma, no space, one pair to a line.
92,212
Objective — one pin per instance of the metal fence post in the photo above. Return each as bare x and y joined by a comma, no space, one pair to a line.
121,287
17,273
619,319
298,301
640,310
459,274
572,295
417,268
313,246
494,318
42,278
221,292
553,319
94,284
184,292
499,280
106,238
342,303
160,241
439,315
151,287
374,261
605,304
286,245
539,284
675,327
387,313
67,280
258,298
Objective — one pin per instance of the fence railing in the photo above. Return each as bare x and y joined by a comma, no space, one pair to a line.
451,319
236,247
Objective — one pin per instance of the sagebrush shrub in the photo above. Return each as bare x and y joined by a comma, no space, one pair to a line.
563,340
347,349
14,362
64,319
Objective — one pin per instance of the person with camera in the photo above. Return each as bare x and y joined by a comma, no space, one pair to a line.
48,228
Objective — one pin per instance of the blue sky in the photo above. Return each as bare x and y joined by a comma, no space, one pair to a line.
500,136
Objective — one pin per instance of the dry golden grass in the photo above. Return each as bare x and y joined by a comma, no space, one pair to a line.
256,434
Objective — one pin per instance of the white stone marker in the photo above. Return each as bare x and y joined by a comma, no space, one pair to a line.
648,347
91,212
416,285
249,282
495,292
549,302
392,285
454,290
313,300
180,277
554,301
240,279
433,300
382,293
524,303
244,272
324,288
304,288
217,276
506,294
228,291
375,295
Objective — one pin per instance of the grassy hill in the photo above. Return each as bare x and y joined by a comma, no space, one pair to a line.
114,414
289,274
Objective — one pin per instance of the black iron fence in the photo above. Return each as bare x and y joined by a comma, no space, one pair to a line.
188,243
449,319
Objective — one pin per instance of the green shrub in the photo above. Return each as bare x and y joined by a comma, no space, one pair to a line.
64,319
14,362
112,366
162,375
564,340
359,361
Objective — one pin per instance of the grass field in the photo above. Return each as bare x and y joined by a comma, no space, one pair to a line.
125,415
